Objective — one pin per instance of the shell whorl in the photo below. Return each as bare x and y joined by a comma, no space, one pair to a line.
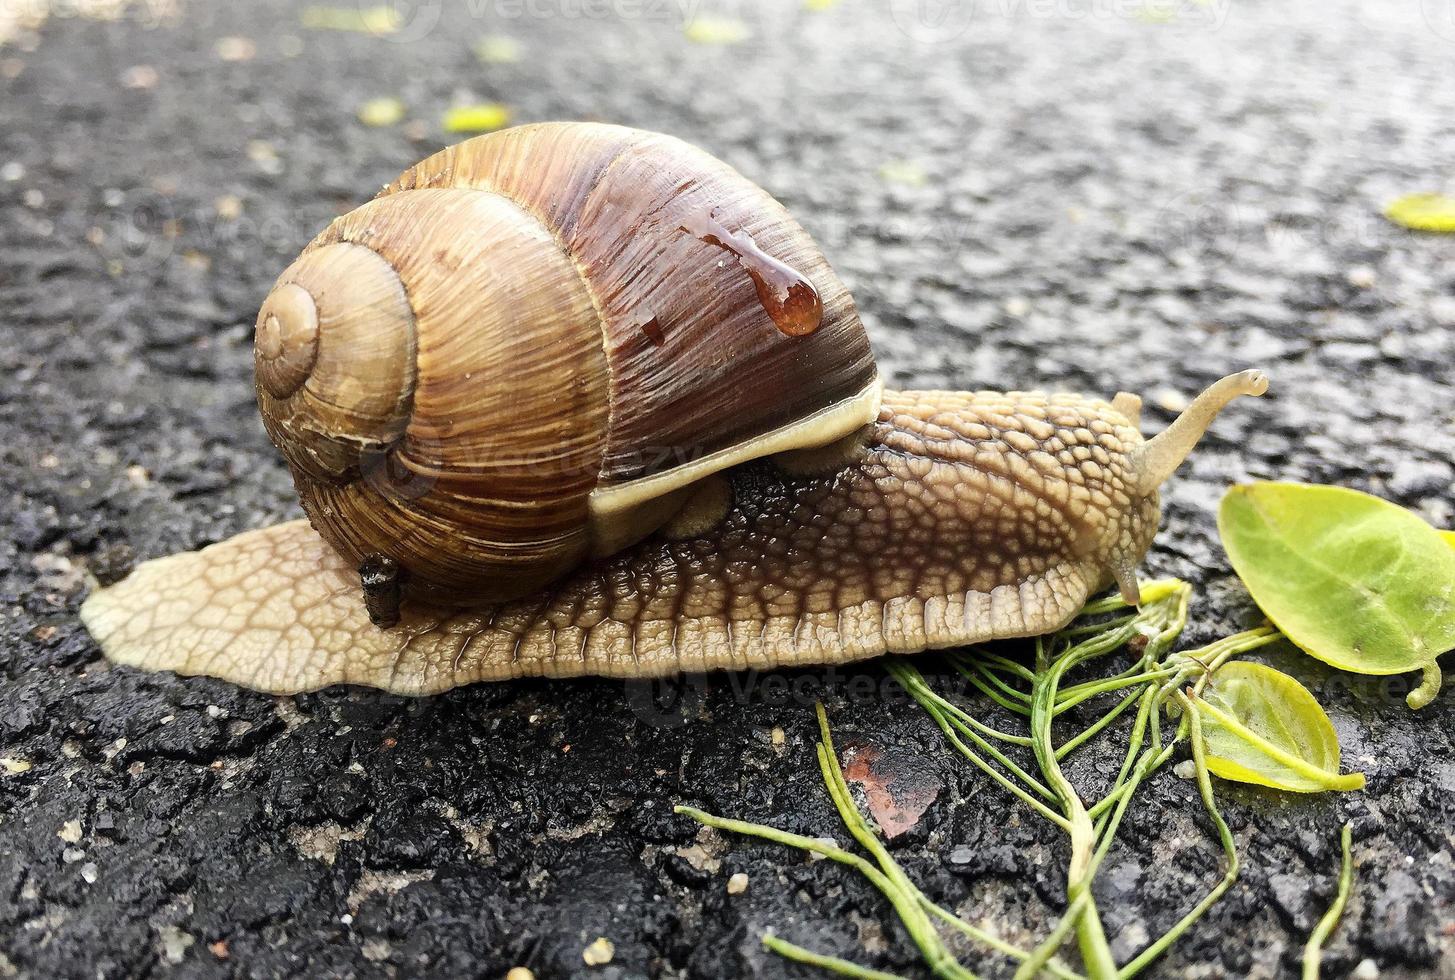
474,472
557,328
335,359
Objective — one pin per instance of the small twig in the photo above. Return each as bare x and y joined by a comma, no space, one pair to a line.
1313,951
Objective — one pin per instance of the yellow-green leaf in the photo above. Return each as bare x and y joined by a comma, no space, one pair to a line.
717,30
1261,726
497,49
381,112
1353,580
378,20
906,172
483,118
1423,212
1449,536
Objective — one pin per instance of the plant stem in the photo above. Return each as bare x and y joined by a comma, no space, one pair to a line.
983,679
1041,956
1313,952
995,942
1230,849
1085,692
1095,951
1076,741
833,964
911,913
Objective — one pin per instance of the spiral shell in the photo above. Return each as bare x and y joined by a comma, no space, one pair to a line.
527,349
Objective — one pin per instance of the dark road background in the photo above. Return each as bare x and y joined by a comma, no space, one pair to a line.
1094,196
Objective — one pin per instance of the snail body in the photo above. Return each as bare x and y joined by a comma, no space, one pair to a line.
590,402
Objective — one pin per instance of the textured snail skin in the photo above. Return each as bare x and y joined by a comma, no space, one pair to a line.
963,517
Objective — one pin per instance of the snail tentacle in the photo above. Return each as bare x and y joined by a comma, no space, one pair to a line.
1159,458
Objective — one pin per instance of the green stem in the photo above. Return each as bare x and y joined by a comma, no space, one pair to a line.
907,675
936,956
998,662
824,848
1072,744
1230,849
1095,951
1041,956
995,942
1091,689
1429,687
940,710
1313,952
833,964
1090,629
983,679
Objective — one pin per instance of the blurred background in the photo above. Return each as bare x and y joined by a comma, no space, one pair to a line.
1095,195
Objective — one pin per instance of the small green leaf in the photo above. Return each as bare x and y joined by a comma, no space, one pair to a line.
379,20
1261,726
1423,212
484,118
717,30
906,172
1353,580
381,112
497,49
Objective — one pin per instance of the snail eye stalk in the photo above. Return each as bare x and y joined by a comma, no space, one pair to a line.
1159,458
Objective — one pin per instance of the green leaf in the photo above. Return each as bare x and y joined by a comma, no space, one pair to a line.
1353,580
381,112
484,118
497,49
717,30
1261,726
1423,212
379,20
1449,536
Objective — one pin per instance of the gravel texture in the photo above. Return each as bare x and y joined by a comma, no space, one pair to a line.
1090,195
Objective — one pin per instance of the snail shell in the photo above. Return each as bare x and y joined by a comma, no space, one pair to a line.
526,349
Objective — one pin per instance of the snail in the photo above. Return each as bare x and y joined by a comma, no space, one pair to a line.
578,399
